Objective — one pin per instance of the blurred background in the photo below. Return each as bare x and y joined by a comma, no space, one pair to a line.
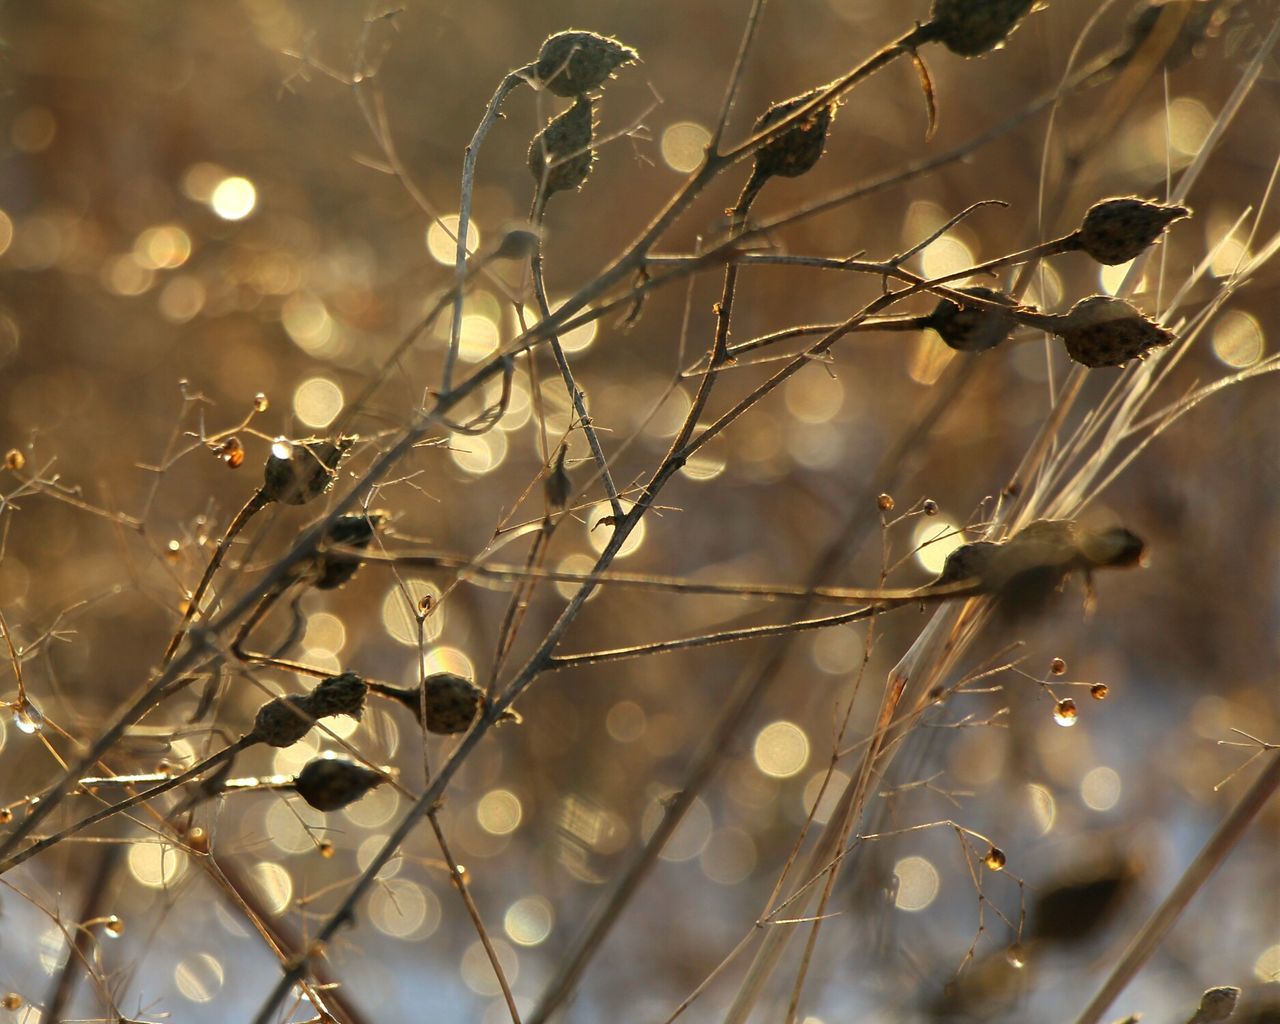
195,210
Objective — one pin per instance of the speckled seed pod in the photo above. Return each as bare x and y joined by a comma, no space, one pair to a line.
453,702
562,150
282,722
337,695
1118,230
300,471
974,328
332,783
333,569
571,63
971,28
796,150
1106,331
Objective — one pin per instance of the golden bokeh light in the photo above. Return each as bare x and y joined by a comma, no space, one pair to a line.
935,537
499,812
233,198
917,883
684,146
781,749
442,239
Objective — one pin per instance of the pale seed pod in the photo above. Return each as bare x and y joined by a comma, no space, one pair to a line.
561,155
796,150
974,328
300,471
1105,331
1118,230
971,28
332,783
571,63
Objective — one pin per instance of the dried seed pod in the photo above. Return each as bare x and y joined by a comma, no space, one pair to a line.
974,328
332,783
571,63
337,695
331,569
968,561
519,242
1105,331
281,722
300,471
558,485
561,155
796,150
971,28
1118,230
453,702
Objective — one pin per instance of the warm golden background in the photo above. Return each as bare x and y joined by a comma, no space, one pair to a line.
194,193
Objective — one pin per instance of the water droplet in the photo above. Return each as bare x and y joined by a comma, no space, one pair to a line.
11,1001
1065,713
1099,691
1016,955
1057,666
14,459
173,551
281,448
885,503
995,859
260,402
27,717
930,507
114,926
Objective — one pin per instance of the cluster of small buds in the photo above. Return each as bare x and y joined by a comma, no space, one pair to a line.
572,63
330,783
285,720
301,471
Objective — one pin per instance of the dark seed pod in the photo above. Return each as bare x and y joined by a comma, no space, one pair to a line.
282,722
558,485
1118,230
560,155
974,328
299,471
572,63
334,568
968,561
1112,548
971,28
332,783
796,150
453,702
337,695
1106,331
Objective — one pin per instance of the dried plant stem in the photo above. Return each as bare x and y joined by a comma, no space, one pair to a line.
252,507
1198,872
513,80
92,904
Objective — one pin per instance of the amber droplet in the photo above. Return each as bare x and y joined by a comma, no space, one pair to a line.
231,451
14,459
6,815
885,503
1099,691
260,402
173,551
325,849
995,859
198,840
1057,666
114,926
11,1001
316,949
426,604
930,507
1016,955
1065,713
